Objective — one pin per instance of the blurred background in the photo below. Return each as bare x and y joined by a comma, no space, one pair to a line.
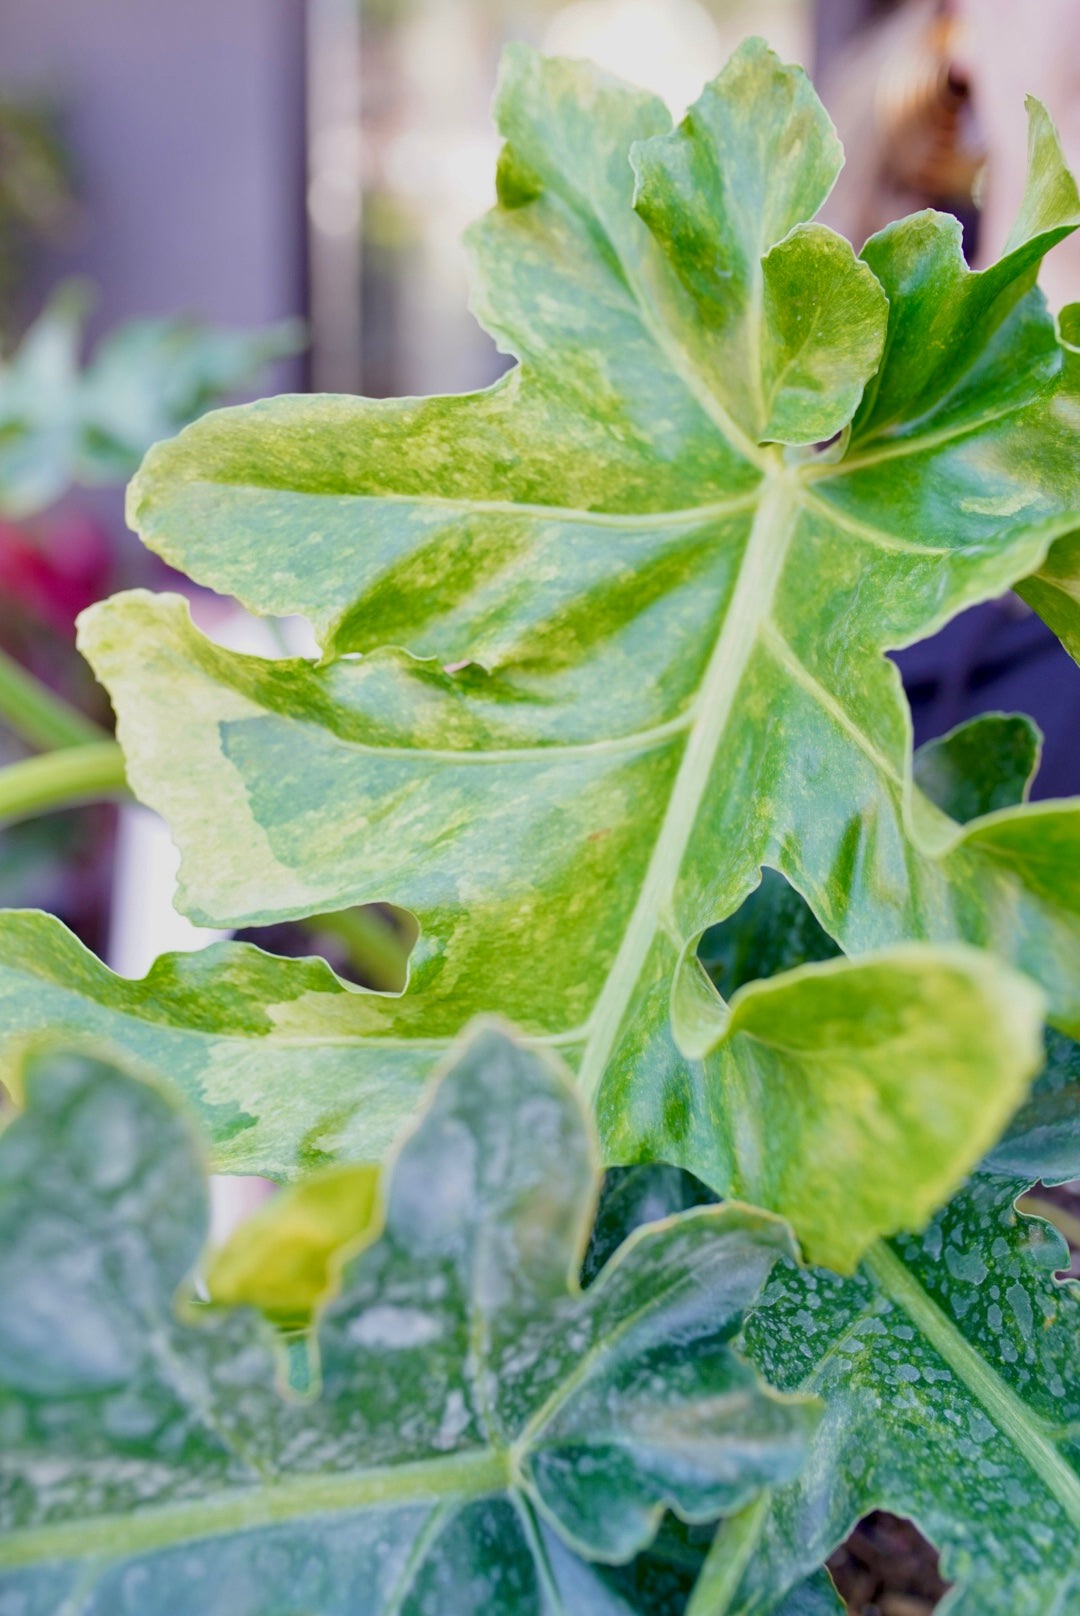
209,201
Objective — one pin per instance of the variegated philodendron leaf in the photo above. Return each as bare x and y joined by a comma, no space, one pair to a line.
850,1096
486,1437
642,622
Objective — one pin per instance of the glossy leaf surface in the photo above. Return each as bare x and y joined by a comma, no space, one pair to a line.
951,1370
484,1429
987,763
637,582
980,766
951,1374
664,631
851,1098
949,1363
1054,590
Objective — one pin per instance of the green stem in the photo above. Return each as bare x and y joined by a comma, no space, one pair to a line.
61,779
42,719
375,947
459,1476
731,1552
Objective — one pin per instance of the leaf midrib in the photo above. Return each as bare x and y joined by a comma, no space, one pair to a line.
475,1473
751,602
1008,1413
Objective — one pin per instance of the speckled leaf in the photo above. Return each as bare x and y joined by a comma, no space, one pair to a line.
1043,1139
950,1363
484,1430
289,1067
853,1097
950,1366
637,580
982,765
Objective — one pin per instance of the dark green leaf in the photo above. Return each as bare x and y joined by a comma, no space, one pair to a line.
484,1429
1043,1139
773,930
949,1368
633,1196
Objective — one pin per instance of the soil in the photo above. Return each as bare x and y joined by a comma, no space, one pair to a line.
887,1568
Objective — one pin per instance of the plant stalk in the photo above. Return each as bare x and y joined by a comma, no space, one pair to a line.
374,946
731,1552
61,779
41,718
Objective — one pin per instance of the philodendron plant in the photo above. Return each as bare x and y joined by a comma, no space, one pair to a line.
603,700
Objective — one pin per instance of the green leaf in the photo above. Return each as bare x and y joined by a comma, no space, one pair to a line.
285,1259
637,581
1043,1139
788,324
950,1370
855,1097
289,1067
675,630
850,1097
630,1198
61,425
949,1365
816,1596
980,766
484,1429
772,930
1054,591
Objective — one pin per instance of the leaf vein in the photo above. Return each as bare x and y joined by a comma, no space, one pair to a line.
1008,1412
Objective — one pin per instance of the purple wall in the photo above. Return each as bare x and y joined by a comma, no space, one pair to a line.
186,124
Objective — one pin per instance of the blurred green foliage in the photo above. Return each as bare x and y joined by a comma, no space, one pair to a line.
62,423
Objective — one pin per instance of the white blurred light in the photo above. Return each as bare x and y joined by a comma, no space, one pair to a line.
669,46
453,170
335,189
